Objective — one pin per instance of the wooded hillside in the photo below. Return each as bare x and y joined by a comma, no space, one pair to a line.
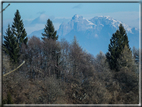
59,72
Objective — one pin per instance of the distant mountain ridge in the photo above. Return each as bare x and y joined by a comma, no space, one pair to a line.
96,24
94,33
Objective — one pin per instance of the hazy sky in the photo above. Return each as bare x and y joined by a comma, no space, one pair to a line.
38,13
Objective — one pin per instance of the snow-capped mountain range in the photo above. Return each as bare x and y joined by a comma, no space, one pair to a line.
94,34
79,23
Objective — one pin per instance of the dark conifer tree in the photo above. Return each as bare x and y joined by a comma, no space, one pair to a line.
10,46
19,30
49,31
117,42
50,35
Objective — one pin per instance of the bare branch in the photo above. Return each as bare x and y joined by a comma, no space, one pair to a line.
14,69
5,7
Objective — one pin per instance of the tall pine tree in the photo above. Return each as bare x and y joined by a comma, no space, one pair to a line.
10,46
19,30
117,42
50,35
49,31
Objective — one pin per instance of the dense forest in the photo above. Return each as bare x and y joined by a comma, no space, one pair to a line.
59,72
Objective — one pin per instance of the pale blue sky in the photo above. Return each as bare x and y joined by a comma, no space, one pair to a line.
31,10
60,12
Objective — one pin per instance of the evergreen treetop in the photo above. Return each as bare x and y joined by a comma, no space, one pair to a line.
19,30
49,31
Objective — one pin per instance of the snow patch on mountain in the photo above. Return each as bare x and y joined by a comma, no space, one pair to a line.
77,23
90,23
107,20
